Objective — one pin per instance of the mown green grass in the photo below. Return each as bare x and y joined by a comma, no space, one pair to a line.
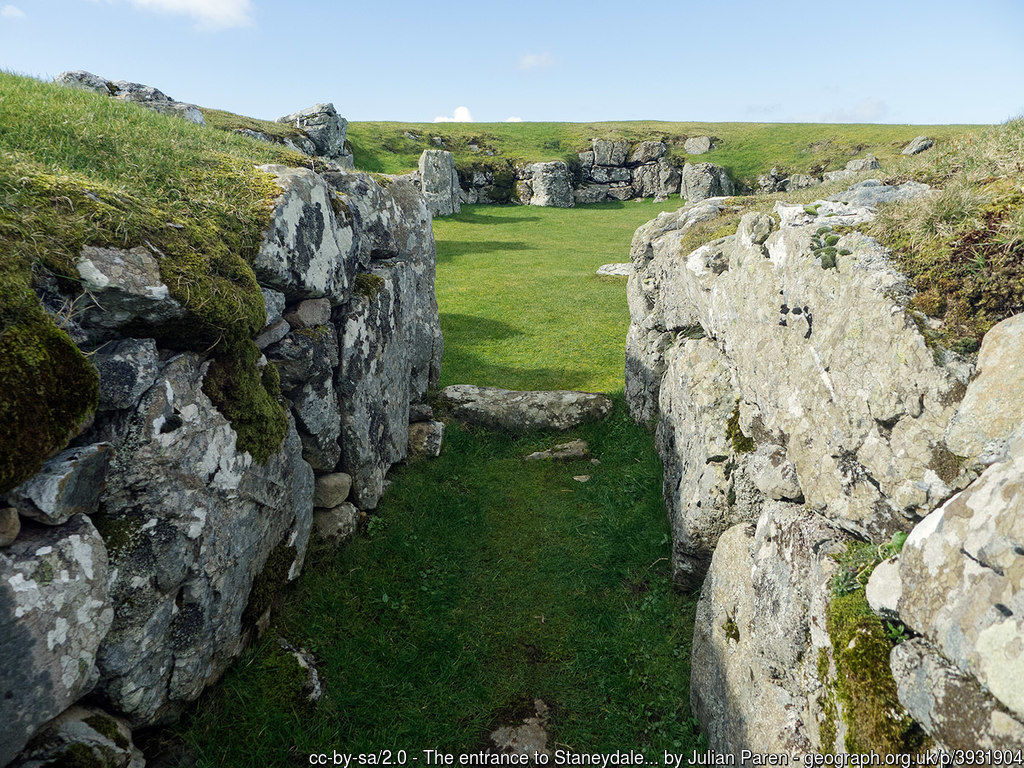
481,583
746,150
521,307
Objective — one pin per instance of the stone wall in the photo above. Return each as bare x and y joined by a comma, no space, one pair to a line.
799,413
139,562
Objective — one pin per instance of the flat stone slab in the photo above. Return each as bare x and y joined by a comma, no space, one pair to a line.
615,269
571,451
524,411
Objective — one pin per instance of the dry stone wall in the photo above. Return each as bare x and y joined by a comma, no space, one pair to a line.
152,549
798,411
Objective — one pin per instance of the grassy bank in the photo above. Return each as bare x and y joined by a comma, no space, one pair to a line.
744,149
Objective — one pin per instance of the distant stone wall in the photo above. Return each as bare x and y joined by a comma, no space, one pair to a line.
139,562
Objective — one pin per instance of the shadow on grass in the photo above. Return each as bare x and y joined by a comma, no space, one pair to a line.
448,249
462,367
470,216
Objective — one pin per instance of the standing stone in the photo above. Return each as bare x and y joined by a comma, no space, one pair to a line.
440,182
551,185
54,613
704,180
698,145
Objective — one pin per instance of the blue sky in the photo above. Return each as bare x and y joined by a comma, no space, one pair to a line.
734,60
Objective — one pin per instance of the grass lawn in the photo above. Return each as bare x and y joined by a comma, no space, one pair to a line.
521,307
483,581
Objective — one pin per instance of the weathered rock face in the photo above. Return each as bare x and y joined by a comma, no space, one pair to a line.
782,366
440,182
759,633
698,145
962,575
127,369
69,484
550,185
308,252
325,128
523,411
55,613
704,180
918,145
609,152
200,537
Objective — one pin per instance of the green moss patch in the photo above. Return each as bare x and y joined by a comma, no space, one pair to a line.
269,582
368,285
740,442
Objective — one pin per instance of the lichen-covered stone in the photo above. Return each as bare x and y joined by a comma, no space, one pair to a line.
647,152
703,180
331,489
309,314
425,439
440,182
69,484
550,184
917,145
54,613
127,289
951,706
201,538
657,179
607,152
127,368
962,572
992,407
306,251
497,408
325,128
338,523
759,633
697,145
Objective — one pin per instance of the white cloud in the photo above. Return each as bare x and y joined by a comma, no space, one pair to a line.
461,115
536,60
513,119
864,111
210,14
12,12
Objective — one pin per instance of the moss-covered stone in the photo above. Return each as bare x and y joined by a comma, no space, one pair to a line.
106,726
875,720
368,285
248,399
827,724
268,583
740,442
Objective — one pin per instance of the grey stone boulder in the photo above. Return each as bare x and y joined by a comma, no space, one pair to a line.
701,181
587,159
607,152
440,182
963,585
308,355
373,378
126,289
201,538
551,185
127,368
123,90
273,333
607,174
698,145
871,192
425,439
420,412
310,313
496,408
867,163
619,270
647,152
918,145
332,489
802,181
574,450
85,81
991,408
306,251
54,613
590,193
394,224
188,112
657,179
82,736
760,635
274,304
324,127
338,523
68,484
950,705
